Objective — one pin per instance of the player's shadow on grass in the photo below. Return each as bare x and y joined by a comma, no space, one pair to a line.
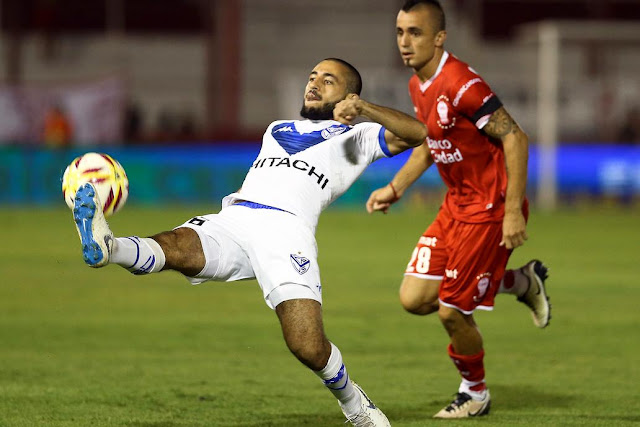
295,420
505,398
525,397
280,420
610,418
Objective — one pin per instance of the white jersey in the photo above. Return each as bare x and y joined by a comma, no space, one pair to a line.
305,165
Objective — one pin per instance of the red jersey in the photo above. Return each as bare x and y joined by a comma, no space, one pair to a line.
455,104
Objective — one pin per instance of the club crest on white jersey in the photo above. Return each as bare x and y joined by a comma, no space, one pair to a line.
300,263
332,131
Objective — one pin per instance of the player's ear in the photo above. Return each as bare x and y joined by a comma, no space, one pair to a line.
441,36
348,95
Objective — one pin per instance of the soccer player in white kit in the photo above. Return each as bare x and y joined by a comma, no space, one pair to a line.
266,230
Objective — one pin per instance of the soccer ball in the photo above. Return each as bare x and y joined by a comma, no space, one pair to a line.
106,175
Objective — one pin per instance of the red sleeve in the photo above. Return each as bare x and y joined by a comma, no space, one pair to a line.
473,98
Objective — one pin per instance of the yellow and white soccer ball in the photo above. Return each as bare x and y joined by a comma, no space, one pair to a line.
106,175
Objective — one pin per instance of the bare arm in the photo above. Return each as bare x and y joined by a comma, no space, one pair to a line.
419,161
516,151
402,131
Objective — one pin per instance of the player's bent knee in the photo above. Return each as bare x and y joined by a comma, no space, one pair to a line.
410,302
419,296
313,353
183,250
313,356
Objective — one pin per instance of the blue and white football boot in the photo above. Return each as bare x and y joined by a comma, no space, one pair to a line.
94,232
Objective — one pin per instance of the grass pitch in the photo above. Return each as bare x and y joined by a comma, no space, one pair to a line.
84,347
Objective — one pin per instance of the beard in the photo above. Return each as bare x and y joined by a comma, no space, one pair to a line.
314,113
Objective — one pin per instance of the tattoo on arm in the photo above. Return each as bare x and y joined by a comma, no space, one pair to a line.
501,124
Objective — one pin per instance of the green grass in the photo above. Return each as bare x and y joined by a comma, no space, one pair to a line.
84,347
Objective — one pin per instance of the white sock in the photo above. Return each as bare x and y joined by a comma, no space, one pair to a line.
138,255
336,379
514,282
465,387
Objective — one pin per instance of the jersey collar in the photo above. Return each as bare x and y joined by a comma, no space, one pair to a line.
425,85
297,136
308,126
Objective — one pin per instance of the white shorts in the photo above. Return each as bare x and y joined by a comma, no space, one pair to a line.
273,246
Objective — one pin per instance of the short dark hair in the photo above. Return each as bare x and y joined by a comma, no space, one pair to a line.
434,5
354,80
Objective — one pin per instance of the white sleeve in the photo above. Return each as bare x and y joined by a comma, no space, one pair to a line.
370,138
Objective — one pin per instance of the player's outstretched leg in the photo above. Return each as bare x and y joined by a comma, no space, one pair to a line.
138,255
370,415
94,232
535,296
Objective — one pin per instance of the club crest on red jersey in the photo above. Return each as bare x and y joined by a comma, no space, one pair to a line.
484,282
443,110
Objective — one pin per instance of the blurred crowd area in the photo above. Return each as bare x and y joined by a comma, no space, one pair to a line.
137,126
57,127
169,125
78,73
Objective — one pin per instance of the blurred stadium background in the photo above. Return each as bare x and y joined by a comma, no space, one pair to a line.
180,91
202,79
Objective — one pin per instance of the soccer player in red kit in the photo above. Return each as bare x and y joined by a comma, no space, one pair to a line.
458,264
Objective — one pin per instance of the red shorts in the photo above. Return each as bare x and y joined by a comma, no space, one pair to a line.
466,257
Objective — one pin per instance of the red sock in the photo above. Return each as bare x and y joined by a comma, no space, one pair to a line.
471,367
509,279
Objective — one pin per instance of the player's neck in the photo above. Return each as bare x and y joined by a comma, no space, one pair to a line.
430,68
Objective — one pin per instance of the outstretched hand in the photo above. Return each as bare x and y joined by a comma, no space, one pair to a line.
381,199
347,110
